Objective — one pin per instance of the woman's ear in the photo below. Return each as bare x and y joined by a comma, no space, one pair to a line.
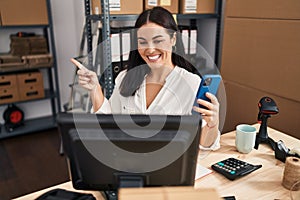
173,39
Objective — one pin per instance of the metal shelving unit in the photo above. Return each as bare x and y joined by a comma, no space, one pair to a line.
51,93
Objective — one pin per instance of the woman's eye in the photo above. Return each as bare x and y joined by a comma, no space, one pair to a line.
157,41
142,43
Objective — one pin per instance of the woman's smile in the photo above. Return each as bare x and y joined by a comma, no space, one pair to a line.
153,58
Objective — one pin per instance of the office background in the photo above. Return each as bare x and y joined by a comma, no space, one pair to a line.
259,57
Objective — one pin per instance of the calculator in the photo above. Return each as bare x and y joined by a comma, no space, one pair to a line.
233,168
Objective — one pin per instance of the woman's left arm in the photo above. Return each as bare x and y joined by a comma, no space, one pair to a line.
210,132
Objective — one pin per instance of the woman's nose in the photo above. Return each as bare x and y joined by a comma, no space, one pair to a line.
150,48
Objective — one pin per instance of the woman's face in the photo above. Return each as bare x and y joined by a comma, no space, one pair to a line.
155,45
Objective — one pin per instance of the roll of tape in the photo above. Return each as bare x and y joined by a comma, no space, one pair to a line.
291,174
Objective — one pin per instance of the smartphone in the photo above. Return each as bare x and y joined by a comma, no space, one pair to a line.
209,83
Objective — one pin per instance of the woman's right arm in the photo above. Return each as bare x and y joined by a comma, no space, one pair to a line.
97,97
89,80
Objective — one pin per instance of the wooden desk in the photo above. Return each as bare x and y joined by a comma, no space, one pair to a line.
265,183
65,186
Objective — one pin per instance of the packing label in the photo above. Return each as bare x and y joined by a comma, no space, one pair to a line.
152,2
165,2
115,5
190,6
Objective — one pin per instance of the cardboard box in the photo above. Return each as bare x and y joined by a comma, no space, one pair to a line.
197,6
31,78
277,9
242,108
263,54
29,92
28,45
19,49
8,81
9,95
118,7
35,61
171,193
9,58
29,12
21,87
170,5
10,67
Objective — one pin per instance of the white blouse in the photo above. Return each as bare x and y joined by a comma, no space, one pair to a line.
176,97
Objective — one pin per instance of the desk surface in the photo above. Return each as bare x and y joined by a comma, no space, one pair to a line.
264,183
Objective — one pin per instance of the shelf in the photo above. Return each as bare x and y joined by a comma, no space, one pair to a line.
134,17
48,95
30,126
24,26
120,19
197,16
114,17
20,69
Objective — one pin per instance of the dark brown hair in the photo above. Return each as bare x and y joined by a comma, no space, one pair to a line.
137,67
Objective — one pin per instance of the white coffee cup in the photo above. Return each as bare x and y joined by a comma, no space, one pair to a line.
245,138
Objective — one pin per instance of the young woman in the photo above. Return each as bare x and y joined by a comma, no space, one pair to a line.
158,79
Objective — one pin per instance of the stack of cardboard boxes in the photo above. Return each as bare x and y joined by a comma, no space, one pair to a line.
33,51
9,62
21,87
174,6
26,53
28,45
8,89
15,12
260,57
118,7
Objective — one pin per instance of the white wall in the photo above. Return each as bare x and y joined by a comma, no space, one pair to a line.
68,20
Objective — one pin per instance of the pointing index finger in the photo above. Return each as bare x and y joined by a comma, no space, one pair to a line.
78,64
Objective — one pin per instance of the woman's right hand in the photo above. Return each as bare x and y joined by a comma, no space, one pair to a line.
89,80
86,78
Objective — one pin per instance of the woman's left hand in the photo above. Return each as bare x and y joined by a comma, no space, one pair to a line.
211,114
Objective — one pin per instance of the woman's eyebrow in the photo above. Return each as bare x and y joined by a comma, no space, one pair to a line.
141,38
155,37
158,36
